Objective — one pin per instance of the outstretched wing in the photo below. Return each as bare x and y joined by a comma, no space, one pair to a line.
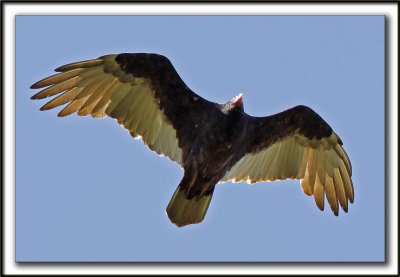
297,144
143,92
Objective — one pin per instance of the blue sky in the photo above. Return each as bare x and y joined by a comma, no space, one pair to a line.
86,191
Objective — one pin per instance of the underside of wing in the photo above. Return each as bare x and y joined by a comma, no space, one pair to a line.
321,165
107,87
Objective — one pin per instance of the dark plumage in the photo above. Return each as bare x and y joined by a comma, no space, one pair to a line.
212,142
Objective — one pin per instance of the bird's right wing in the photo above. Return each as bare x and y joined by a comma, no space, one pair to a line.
143,92
297,144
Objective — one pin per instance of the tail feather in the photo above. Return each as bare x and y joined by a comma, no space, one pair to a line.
184,211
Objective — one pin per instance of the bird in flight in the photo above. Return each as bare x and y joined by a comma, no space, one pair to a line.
213,143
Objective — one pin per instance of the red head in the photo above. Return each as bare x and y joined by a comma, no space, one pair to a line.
237,101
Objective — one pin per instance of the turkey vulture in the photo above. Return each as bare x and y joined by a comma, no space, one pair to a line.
213,143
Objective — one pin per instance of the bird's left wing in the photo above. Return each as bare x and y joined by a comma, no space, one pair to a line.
297,144
143,92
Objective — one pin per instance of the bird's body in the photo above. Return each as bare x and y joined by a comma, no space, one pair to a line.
212,142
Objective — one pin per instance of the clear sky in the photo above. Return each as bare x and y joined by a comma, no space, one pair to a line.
87,191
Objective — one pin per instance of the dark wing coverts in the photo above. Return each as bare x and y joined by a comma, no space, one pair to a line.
297,144
142,91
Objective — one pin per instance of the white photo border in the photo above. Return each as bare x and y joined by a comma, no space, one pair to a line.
10,10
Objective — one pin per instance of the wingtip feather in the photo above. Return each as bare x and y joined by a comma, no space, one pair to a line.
81,64
35,86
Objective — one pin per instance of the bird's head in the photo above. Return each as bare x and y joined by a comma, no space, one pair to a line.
234,106
236,102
